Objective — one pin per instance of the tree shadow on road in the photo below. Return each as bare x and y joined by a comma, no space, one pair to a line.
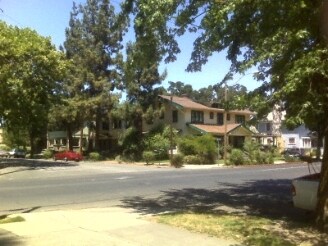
265,198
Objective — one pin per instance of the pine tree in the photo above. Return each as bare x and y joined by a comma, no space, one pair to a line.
93,44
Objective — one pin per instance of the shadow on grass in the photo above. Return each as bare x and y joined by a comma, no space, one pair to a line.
31,164
269,199
266,198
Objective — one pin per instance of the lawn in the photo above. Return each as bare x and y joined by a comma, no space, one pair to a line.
247,230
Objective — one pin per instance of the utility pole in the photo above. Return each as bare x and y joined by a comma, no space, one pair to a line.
171,129
225,125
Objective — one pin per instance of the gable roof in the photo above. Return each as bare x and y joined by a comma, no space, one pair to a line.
218,130
186,102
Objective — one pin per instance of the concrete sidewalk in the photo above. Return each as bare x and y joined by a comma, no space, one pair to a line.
98,226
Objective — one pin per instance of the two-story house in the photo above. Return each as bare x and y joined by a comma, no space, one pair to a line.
273,132
189,117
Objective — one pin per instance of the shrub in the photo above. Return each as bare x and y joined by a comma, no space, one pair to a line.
192,159
237,157
130,143
48,153
95,156
177,160
149,157
206,148
203,146
159,144
187,146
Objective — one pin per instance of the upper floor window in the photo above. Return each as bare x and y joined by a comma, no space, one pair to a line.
197,116
220,119
228,117
175,116
268,127
240,119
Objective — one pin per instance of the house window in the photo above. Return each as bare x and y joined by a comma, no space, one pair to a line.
197,116
211,115
220,119
228,117
240,119
306,142
291,140
268,127
175,116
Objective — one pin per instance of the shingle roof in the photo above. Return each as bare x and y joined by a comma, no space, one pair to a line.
187,103
216,129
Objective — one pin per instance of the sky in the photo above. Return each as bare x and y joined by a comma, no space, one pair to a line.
50,18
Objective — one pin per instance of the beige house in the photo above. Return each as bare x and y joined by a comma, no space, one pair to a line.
189,117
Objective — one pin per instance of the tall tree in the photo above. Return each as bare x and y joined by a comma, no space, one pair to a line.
94,43
286,40
30,72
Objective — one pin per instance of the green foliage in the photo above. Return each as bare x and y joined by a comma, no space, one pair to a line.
177,160
187,145
192,159
237,157
93,45
158,144
203,146
131,144
95,156
30,72
149,157
251,154
159,141
48,154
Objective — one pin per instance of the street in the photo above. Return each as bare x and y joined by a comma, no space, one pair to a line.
50,186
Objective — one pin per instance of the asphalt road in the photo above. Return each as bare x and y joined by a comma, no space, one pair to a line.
27,186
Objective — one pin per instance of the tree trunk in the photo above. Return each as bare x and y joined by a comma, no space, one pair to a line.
69,137
322,206
97,134
81,141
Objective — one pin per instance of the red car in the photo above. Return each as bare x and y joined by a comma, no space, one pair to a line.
68,156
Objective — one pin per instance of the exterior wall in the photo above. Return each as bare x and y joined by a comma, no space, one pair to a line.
184,118
297,138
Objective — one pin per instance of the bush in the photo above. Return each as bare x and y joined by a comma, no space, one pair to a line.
149,157
177,160
48,154
203,146
118,158
187,146
159,144
237,157
192,159
95,156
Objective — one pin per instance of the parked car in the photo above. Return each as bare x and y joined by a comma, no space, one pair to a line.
293,152
4,153
305,190
17,153
68,156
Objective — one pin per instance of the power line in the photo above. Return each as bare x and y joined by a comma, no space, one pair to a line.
9,17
